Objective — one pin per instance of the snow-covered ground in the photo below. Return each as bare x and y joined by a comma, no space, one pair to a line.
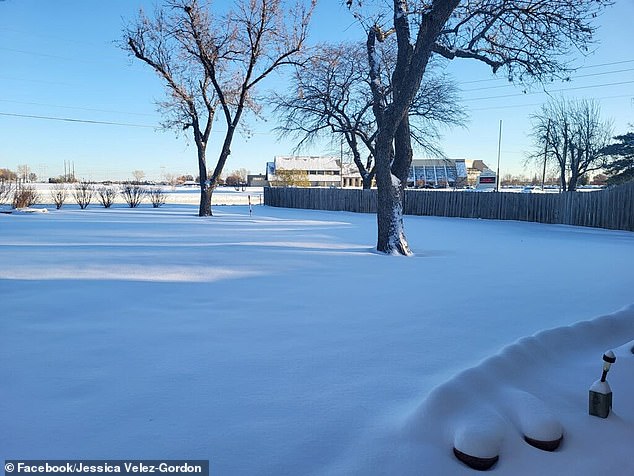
281,344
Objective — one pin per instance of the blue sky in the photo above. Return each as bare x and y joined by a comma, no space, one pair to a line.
58,59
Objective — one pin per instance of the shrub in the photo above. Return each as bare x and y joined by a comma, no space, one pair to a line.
25,196
83,194
106,196
59,193
157,197
6,191
133,194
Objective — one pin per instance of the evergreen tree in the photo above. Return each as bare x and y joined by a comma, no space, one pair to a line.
621,168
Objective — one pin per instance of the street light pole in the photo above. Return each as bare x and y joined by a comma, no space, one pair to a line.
545,153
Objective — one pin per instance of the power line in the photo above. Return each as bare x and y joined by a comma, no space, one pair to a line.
539,104
89,121
549,92
58,57
572,79
581,67
78,108
82,121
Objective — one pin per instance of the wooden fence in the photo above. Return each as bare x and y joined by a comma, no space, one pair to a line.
611,208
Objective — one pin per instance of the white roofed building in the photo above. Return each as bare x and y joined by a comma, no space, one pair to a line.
304,171
328,171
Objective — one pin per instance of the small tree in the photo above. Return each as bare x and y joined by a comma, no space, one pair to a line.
133,194
157,197
59,194
24,173
25,196
83,193
106,196
572,135
291,178
138,175
232,180
7,175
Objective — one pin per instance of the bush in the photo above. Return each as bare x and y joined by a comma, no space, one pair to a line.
25,196
133,194
106,196
83,194
6,191
59,193
157,197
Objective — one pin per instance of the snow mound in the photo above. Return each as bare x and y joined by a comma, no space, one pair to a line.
533,391
480,436
28,211
533,386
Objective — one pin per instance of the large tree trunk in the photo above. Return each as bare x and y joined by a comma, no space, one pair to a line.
391,235
206,188
367,180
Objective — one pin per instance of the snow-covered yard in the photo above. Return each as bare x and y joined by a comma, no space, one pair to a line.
280,343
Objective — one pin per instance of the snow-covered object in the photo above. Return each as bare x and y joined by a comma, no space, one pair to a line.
601,387
609,357
532,417
29,211
481,437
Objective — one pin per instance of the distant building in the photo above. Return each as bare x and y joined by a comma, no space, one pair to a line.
258,180
441,173
315,171
304,171
474,170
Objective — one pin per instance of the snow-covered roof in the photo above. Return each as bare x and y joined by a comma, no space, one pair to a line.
306,163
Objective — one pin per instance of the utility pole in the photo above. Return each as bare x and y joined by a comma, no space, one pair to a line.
341,163
497,175
545,153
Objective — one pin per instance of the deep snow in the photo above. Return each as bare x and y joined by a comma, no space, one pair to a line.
282,344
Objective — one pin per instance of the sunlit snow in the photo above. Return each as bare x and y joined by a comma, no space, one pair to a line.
281,343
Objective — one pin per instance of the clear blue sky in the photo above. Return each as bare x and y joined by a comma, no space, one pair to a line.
58,59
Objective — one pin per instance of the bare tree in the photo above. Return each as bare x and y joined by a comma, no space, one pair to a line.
7,175
330,96
59,194
157,197
242,175
571,135
138,175
133,194
6,190
83,193
171,179
24,172
212,61
529,39
106,196
24,196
